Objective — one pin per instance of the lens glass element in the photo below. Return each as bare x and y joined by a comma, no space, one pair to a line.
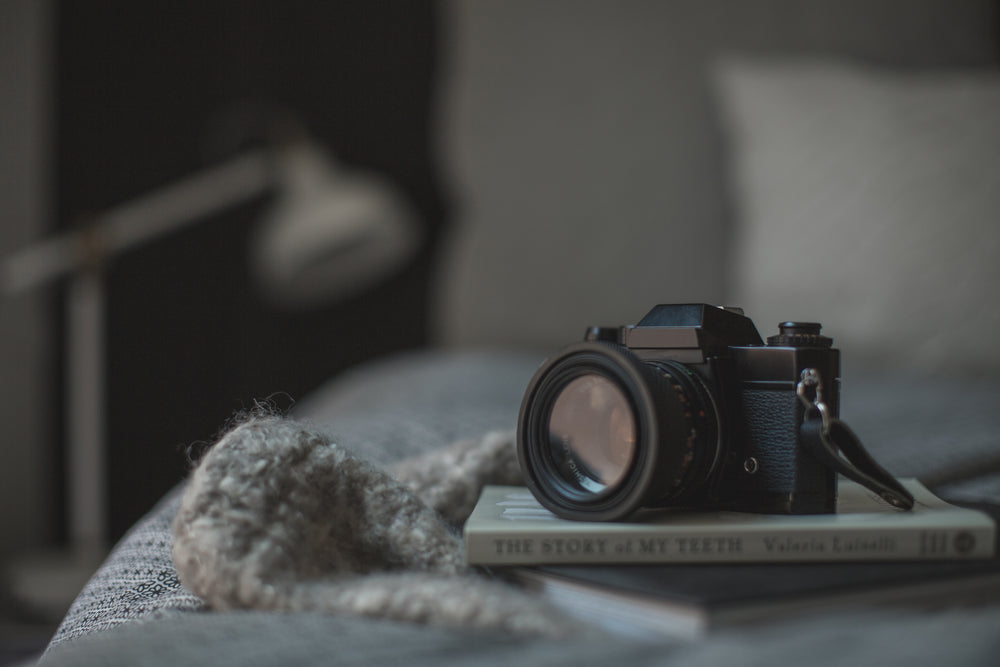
592,433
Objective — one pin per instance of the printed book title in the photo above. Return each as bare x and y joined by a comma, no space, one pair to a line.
687,546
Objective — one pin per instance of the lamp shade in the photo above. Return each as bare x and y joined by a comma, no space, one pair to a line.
330,232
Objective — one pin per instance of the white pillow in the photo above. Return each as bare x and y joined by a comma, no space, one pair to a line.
869,200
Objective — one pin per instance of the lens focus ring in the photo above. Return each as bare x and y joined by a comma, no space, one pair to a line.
693,447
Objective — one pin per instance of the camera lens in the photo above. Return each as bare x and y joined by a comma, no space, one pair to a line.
603,433
592,433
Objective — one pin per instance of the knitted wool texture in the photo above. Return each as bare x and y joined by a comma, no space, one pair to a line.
276,517
451,479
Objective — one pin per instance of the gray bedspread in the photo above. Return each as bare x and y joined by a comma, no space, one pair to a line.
135,611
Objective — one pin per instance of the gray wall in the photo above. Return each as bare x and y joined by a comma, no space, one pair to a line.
26,399
581,145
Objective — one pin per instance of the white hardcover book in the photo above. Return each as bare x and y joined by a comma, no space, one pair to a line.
510,527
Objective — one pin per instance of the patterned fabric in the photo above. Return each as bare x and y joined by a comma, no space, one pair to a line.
256,639
138,580
416,403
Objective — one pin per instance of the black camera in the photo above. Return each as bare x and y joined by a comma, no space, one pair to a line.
688,408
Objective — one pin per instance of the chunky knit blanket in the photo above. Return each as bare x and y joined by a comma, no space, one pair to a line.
278,517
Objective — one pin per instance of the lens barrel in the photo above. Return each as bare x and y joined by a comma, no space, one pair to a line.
602,433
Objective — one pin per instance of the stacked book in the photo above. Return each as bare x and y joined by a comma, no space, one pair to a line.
684,572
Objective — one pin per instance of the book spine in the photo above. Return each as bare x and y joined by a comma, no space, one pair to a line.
504,547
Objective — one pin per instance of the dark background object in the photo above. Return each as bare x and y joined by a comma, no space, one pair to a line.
144,94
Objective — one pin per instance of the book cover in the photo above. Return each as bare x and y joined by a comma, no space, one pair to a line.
509,527
689,600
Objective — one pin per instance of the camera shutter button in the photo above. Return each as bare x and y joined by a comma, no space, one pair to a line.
799,334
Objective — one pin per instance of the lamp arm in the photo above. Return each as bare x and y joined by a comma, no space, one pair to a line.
138,221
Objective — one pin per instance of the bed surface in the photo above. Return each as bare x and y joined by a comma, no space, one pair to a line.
135,610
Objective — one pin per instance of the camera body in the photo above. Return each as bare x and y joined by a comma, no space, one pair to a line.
689,408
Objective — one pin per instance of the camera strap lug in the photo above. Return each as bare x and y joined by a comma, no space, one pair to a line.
833,443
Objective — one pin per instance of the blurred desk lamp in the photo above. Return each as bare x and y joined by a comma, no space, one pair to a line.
329,233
